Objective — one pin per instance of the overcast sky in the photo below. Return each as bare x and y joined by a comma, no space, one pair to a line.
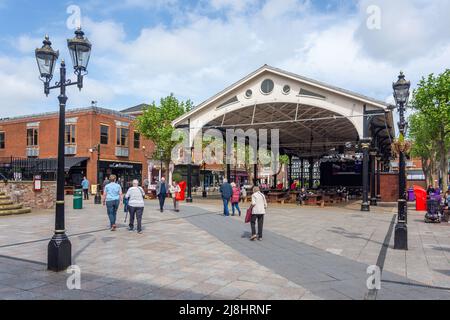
143,50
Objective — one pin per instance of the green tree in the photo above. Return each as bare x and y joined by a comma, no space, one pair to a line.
423,147
156,124
432,100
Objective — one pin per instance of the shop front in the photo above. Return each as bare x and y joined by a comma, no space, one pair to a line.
126,172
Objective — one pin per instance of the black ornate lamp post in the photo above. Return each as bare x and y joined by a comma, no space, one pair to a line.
161,155
365,146
60,248
98,195
401,95
189,176
204,193
373,195
378,158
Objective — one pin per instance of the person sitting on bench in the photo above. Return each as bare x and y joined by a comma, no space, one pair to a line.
302,197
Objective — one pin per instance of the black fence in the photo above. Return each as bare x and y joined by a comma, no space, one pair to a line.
24,169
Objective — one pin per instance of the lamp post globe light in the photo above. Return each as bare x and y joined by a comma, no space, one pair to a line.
59,248
401,95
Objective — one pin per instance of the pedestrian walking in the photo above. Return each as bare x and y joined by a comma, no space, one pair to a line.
112,196
85,186
135,196
259,206
105,182
236,196
162,189
175,191
226,191
243,194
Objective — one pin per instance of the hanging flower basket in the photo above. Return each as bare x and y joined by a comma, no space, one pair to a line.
401,145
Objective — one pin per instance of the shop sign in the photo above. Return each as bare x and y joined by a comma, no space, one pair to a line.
116,165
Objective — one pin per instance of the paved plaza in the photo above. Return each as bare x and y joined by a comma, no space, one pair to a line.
307,253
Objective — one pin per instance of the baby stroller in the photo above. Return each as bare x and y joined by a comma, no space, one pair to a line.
434,211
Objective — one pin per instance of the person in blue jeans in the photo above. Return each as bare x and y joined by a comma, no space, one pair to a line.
112,197
85,186
226,191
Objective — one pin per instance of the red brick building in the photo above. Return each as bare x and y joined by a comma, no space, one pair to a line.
121,146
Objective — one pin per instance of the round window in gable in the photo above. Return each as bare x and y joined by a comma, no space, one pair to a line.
286,89
267,86
248,94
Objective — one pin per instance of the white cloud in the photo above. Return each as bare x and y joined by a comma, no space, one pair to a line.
409,29
203,55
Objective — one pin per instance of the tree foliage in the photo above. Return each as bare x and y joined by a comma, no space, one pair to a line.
431,100
424,147
156,124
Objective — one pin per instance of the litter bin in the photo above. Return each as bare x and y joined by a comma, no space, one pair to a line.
421,198
411,196
78,199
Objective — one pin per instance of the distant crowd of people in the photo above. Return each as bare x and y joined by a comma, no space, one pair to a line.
231,193
442,197
133,201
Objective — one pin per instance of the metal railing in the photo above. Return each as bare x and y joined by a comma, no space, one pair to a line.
24,169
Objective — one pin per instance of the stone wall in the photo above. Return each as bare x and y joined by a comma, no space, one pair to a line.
22,192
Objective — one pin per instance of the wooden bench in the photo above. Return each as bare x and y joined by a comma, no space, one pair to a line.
284,199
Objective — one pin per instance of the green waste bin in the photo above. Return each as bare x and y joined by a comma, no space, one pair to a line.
78,199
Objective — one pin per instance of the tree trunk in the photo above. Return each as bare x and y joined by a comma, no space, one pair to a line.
443,157
434,171
426,168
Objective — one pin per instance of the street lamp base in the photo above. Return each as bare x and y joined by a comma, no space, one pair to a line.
204,194
401,236
365,207
189,200
59,253
373,202
98,197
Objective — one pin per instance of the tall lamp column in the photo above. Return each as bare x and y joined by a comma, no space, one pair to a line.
59,255
401,95
98,196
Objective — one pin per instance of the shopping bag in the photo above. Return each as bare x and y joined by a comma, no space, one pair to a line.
248,216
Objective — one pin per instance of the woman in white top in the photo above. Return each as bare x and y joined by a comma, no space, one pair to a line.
135,196
259,206
174,190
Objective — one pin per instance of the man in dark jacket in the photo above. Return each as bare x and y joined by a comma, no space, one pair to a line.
226,192
162,188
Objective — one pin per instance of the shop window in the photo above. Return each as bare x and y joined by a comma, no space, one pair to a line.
2,140
104,134
69,136
122,137
32,137
137,140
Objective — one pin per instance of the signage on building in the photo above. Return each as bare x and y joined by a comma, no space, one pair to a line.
37,183
117,165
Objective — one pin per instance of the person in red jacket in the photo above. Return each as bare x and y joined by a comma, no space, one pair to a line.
236,196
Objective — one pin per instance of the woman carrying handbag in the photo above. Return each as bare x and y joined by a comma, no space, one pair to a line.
256,213
175,192
135,196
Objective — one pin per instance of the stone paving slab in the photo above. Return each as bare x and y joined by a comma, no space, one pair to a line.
171,260
307,253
